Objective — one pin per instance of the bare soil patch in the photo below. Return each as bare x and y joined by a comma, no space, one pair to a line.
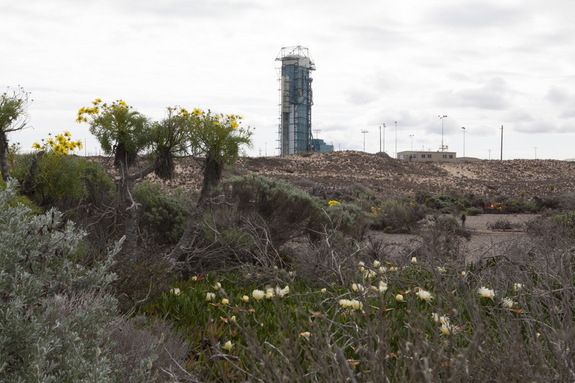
484,241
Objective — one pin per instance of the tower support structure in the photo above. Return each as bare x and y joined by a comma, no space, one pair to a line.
296,100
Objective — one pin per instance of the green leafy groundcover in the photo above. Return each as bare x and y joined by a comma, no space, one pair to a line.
397,321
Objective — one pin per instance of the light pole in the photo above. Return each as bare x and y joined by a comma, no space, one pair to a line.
463,127
380,138
501,159
395,139
364,132
442,148
411,136
384,137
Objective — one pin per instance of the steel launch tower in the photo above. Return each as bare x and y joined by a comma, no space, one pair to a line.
295,134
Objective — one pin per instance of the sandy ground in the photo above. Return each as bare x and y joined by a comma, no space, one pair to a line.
484,241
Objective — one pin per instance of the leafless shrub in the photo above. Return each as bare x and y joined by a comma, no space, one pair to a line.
155,348
503,224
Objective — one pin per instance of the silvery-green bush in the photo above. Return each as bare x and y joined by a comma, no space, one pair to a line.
55,315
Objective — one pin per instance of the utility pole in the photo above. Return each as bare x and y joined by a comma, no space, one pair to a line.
463,127
364,132
380,138
501,142
442,148
395,139
384,137
411,136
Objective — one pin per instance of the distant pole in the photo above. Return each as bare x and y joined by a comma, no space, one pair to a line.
364,132
501,142
411,136
441,118
535,147
463,127
380,138
395,139
384,137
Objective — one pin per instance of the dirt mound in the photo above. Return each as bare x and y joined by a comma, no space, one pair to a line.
384,176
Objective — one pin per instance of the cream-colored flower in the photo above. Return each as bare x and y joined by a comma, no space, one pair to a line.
258,295
245,298
446,328
270,293
356,305
210,297
441,270
369,274
175,291
508,303
345,303
323,291
281,292
217,286
225,301
305,334
440,318
399,298
413,260
517,286
424,295
357,287
382,287
233,318
376,264
228,345
484,292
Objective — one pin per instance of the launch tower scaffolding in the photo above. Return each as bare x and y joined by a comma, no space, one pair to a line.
295,133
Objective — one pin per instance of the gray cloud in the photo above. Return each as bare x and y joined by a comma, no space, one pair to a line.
559,95
478,15
494,95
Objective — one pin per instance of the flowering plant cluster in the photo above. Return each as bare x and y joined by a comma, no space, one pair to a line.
60,144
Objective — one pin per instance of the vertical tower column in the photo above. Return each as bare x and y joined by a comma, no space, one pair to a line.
295,133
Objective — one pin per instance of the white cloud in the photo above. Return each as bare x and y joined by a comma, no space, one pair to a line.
483,63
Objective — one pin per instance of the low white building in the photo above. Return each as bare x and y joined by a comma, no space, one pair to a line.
426,156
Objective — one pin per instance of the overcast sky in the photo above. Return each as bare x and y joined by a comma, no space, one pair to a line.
484,64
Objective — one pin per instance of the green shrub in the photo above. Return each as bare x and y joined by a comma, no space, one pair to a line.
63,181
397,216
58,322
162,217
347,218
55,313
287,212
